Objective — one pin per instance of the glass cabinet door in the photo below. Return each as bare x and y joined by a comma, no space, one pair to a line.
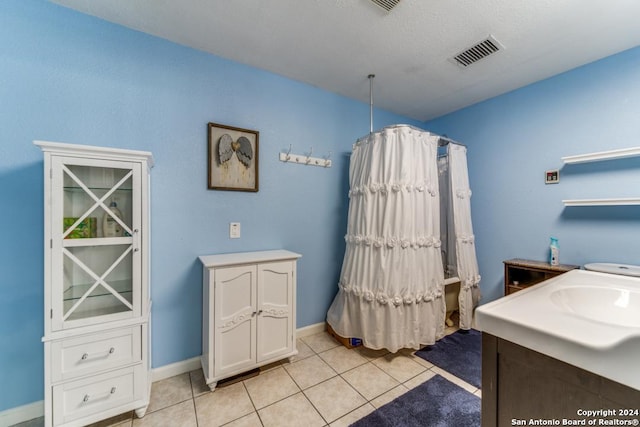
96,241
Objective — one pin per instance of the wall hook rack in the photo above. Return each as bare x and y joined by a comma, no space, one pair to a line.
305,159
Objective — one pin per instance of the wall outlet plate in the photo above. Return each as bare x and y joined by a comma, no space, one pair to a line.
234,230
552,176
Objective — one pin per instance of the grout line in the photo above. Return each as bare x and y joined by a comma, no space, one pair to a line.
314,407
195,412
193,398
246,390
356,390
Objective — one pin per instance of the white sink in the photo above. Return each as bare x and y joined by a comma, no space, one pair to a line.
585,318
615,306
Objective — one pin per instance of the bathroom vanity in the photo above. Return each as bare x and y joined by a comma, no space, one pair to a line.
556,350
521,384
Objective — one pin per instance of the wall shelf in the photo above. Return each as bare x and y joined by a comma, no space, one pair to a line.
602,202
602,155
599,156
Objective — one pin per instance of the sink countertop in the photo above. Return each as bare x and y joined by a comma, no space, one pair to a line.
596,343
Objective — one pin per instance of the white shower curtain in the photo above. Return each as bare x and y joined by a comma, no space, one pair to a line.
467,262
391,285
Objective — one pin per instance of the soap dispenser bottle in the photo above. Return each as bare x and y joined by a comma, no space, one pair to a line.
111,227
554,252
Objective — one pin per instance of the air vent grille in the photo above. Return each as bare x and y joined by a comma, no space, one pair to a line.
386,4
477,52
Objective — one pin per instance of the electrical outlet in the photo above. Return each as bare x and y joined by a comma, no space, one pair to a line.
234,230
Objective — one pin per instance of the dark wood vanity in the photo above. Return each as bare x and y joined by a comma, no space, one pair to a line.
520,385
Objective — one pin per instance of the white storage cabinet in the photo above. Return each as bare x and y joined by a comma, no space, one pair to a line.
96,335
248,313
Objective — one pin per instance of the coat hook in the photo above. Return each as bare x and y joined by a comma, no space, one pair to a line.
289,153
310,153
327,160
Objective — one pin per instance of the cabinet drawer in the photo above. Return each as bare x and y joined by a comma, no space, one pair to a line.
80,398
90,354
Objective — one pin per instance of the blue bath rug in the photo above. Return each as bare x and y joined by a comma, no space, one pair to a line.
459,354
435,403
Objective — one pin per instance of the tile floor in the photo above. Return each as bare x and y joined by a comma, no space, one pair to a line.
326,385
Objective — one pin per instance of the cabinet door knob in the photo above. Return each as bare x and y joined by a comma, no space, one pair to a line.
112,350
84,356
86,398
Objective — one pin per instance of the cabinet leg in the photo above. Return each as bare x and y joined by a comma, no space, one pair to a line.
212,386
141,411
291,359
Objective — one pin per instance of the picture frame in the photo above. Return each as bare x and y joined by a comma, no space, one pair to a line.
232,158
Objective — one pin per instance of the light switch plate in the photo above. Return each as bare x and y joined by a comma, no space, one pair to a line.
552,177
234,230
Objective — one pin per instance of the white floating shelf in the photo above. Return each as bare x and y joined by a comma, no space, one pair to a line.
603,155
602,202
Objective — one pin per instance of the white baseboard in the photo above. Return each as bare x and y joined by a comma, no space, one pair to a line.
36,409
173,369
21,414
311,329
168,371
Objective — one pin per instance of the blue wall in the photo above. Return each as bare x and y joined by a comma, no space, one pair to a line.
72,78
514,138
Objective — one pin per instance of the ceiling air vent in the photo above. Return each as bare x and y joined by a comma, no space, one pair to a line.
386,4
478,51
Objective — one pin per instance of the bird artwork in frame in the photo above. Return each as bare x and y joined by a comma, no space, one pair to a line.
233,158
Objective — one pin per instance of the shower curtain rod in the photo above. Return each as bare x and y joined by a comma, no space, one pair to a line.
371,77
444,140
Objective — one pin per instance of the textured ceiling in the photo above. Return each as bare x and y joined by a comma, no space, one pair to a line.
335,44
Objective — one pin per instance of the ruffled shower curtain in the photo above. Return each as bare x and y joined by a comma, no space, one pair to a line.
467,263
391,285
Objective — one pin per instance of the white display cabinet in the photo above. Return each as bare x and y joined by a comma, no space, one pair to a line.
249,311
97,300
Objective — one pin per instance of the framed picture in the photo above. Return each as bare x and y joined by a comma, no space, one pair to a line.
233,158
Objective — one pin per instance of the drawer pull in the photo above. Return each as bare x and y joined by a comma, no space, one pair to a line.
112,350
112,391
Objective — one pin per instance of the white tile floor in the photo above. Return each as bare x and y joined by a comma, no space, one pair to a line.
326,385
